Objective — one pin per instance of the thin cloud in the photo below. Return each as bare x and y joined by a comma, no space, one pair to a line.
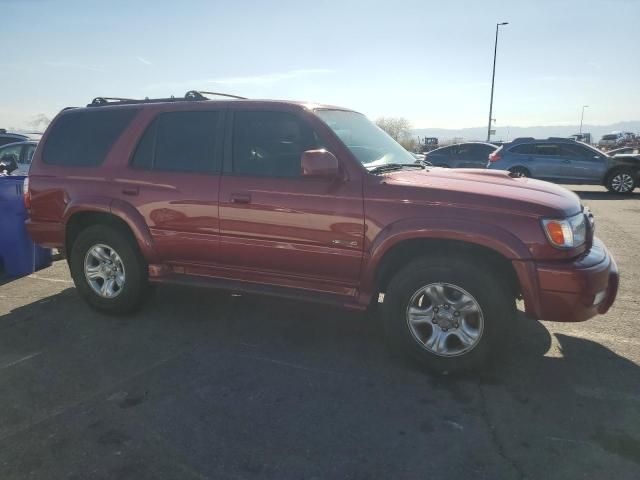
254,80
144,61
75,66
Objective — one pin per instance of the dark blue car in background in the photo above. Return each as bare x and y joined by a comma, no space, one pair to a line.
563,160
461,155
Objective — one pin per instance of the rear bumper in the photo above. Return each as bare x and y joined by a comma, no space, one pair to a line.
572,291
46,234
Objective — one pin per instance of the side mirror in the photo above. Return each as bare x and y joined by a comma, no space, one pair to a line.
319,163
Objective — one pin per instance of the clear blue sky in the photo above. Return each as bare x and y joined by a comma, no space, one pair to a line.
427,61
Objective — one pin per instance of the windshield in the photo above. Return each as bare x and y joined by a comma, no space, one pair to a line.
368,143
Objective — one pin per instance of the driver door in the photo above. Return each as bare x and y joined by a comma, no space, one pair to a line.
278,227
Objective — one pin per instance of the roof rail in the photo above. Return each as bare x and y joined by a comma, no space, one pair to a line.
191,95
522,139
200,95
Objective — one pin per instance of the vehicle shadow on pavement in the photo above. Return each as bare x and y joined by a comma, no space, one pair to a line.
604,195
201,384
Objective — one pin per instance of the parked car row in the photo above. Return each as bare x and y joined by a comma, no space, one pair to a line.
554,159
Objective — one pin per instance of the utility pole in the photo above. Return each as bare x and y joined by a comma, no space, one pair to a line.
582,117
493,78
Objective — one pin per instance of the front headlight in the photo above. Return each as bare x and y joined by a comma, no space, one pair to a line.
567,233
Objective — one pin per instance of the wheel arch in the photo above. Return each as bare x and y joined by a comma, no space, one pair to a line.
116,214
488,244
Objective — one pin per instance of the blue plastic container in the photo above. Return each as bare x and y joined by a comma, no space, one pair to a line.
18,254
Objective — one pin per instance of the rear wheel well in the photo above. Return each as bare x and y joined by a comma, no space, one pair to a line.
401,255
82,220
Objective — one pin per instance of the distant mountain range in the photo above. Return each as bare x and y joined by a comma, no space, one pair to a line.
509,133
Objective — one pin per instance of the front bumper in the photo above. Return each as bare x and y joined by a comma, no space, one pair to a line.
571,291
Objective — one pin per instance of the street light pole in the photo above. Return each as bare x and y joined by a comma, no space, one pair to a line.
582,117
493,78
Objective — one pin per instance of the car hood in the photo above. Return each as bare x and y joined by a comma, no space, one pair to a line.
486,189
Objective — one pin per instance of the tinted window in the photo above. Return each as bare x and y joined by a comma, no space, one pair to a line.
573,151
7,140
28,152
443,151
11,153
545,149
179,141
85,137
525,149
270,143
472,150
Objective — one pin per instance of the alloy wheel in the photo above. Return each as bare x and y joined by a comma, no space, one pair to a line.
622,182
104,271
445,319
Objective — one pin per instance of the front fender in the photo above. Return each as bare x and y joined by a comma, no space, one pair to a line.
482,234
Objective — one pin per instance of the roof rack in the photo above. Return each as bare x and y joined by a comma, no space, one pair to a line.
190,96
200,95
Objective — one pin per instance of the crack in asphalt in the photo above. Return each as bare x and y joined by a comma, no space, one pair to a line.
484,413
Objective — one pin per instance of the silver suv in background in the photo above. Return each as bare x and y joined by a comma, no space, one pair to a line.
563,160
612,140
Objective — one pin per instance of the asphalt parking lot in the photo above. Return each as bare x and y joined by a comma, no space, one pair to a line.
203,384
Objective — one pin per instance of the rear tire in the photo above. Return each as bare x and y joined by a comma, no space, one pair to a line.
473,311
108,270
520,172
621,181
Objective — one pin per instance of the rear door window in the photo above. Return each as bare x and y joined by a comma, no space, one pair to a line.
524,149
180,141
84,138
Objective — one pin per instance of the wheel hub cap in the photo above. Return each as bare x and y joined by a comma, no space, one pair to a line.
622,182
104,271
445,319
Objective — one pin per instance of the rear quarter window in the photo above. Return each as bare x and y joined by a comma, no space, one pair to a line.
84,138
524,149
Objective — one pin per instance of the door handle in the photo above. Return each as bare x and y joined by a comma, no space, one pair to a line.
240,198
133,191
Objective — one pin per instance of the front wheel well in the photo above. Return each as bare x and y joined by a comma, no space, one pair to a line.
81,220
401,254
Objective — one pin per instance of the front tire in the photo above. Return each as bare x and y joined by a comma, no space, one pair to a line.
448,314
621,181
108,270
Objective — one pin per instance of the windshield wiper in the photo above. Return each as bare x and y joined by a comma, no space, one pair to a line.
391,167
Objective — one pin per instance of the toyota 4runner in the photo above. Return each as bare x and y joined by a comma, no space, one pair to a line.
311,202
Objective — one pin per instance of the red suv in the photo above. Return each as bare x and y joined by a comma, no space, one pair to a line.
310,202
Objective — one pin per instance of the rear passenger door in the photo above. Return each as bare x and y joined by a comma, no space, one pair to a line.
173,180
278,227
548,162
